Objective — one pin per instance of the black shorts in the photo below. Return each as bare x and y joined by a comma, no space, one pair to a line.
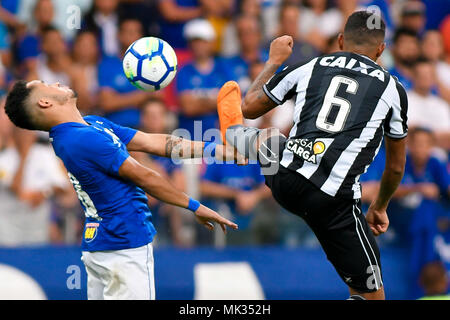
339,225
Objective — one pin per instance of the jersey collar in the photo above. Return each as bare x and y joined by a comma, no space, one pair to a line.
63,126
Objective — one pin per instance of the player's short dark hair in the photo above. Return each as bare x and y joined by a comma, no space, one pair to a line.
364,26
400,32
17,107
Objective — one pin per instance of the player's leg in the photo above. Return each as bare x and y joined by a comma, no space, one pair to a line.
344,235
125,274
350,246
131,275
264,145
95,286
340,228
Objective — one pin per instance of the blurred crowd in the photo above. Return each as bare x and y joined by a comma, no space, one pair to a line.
81,44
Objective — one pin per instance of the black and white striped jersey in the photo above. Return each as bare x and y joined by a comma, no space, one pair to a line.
344,104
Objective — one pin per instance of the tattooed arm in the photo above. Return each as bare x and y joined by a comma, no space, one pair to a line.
166,145
256,103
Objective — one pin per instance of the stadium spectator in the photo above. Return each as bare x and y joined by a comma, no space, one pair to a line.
30,174
118,98
142,10
270,11
289,25
9,27
405,51
250,37
173,16
419,197
240,189
103,19
426,109
434,281
319,21
29,43
218,13
54,63
347,7
442,239
434,50
167,219
86,55
198,82
230,42
413,16
66,18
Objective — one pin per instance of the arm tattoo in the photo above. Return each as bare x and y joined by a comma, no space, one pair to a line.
257,85
174,146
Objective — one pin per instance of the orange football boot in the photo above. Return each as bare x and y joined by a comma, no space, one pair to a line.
229,107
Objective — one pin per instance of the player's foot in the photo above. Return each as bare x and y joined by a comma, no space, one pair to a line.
229,107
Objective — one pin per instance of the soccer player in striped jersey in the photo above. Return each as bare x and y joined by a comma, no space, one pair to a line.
344,104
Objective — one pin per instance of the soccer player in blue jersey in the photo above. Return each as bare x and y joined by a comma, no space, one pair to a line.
111,185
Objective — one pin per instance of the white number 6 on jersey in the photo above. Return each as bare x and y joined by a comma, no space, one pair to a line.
332,100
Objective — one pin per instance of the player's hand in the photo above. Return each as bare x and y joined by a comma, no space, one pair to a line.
280,49
228,153
378,220
206,217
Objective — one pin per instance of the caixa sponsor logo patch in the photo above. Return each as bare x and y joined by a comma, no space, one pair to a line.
306,149
90,231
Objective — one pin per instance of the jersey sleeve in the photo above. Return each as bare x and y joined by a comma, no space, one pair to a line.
283,85
101,152
125,134
396,126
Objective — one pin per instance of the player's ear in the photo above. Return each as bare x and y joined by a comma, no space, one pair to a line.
45,103
341,41
380,49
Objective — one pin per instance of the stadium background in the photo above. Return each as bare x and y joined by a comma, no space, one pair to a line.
274,255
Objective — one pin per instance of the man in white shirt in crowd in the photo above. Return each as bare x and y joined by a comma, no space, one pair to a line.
426,109
29,174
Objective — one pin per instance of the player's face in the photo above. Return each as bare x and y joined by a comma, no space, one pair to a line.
56,91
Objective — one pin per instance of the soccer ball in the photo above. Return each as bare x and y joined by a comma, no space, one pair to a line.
150,63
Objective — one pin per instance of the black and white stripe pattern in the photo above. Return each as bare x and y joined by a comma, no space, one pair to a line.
366,101
374,269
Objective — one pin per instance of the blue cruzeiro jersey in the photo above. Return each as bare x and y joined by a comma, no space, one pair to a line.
117,214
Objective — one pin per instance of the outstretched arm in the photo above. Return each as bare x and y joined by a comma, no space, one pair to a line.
155,185
166,145
256,102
